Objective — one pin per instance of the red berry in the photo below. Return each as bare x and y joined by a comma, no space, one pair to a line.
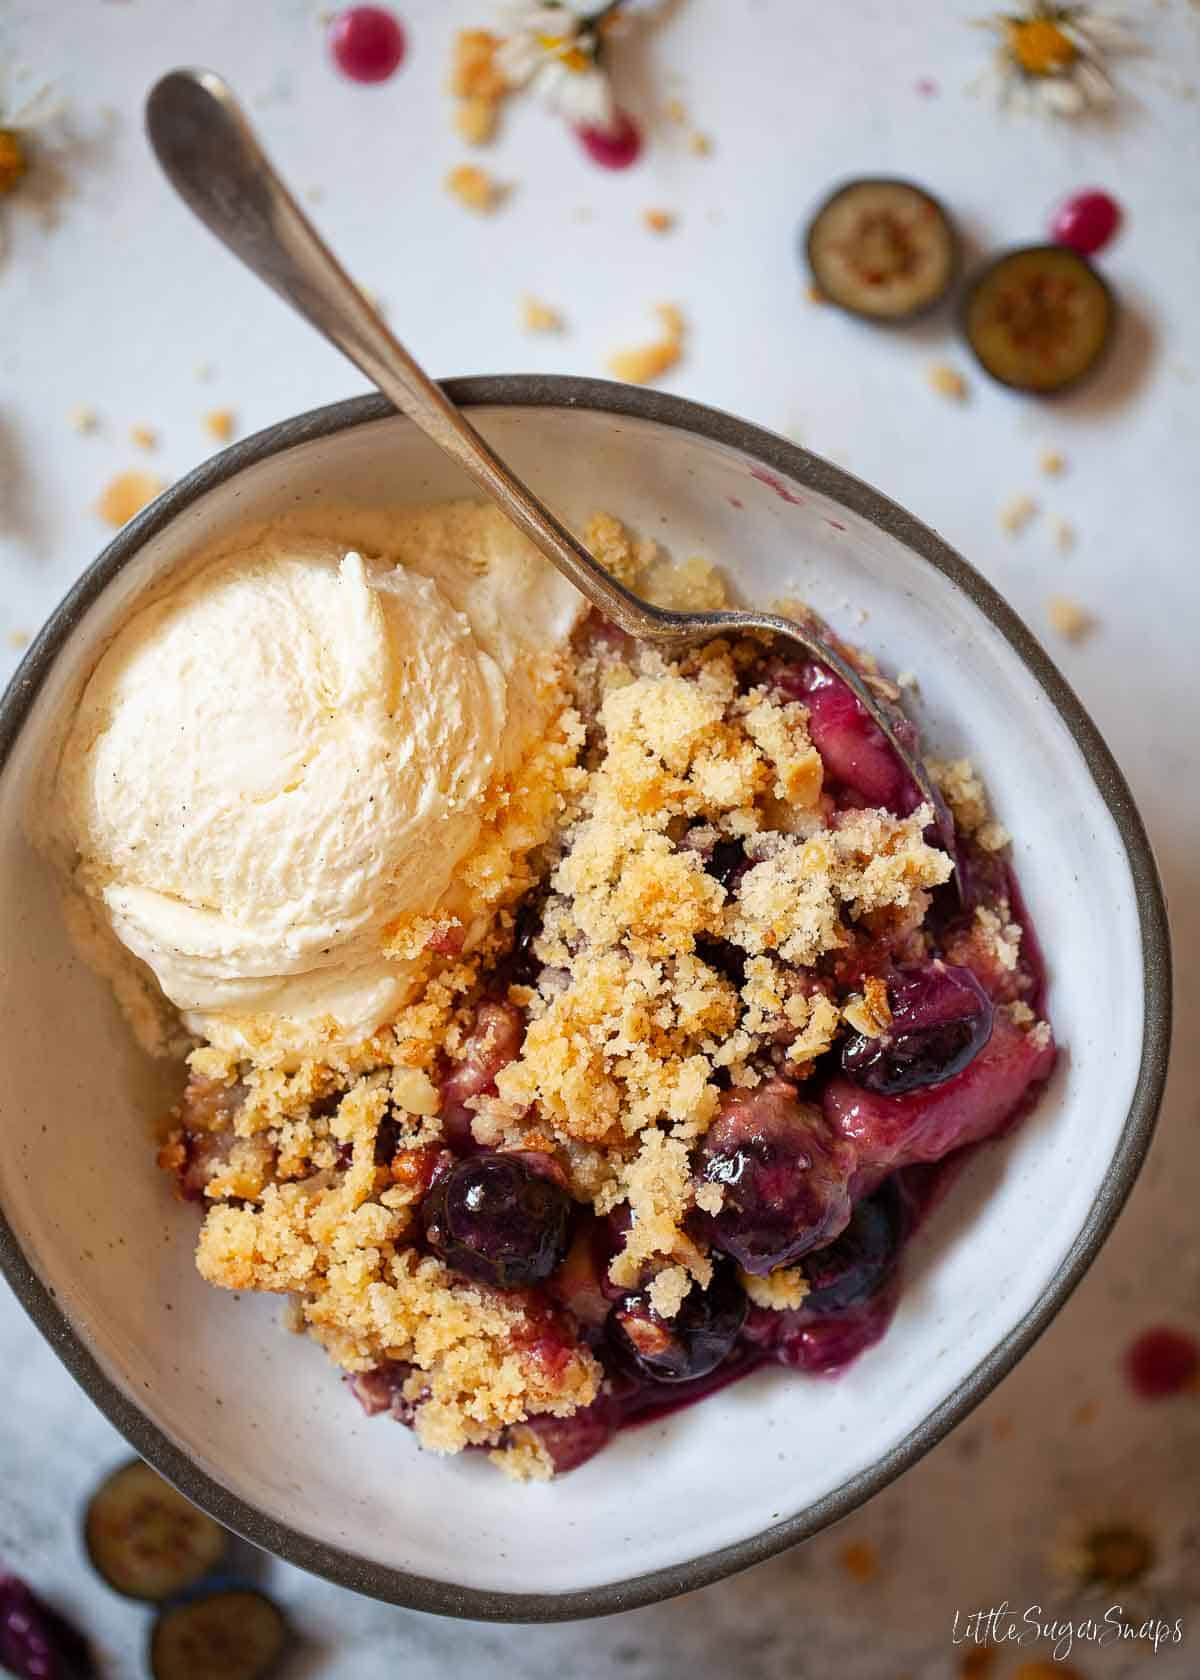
1162,1362
1086,222
613,148
367,43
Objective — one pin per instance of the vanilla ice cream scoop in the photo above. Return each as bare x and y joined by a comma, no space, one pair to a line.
290,753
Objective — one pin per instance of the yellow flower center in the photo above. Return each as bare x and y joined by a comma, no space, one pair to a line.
1040,47
13,162
573,57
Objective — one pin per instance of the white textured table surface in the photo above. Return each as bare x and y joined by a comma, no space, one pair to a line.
110,297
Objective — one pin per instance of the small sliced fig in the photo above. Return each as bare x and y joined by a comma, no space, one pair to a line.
145,1538
1039,318
233,1634
882,249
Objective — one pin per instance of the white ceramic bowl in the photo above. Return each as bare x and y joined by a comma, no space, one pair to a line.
253,1423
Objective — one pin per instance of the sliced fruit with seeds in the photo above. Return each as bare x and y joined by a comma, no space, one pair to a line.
882,249
234,1634
145,1538
1039,318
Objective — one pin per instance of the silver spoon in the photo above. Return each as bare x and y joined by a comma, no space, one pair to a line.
211,157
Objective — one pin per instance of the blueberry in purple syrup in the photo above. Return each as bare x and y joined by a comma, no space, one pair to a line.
941,1020
496,1219
725,861
521,966
36,1643
784,1177
691,1344
856,1265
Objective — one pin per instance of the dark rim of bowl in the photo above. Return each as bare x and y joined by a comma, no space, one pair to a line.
811,472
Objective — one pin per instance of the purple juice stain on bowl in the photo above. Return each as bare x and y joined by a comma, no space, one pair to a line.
776,484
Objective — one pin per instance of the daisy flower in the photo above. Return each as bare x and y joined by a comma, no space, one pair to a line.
1055,56
15,129
556,50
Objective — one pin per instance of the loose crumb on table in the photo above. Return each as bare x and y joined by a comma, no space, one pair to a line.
475,189
1016,513
127,494
1071,620
947,381
539,317
478,85
647,362
219,424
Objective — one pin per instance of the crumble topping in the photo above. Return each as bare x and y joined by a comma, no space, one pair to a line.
781,1291
964,793
524,1457
611,1055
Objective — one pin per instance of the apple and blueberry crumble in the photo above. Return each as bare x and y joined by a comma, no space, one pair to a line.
694,1013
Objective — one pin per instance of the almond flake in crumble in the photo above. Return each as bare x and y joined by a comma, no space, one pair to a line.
869,1011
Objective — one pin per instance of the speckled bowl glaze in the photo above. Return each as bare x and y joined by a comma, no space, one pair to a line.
255,1424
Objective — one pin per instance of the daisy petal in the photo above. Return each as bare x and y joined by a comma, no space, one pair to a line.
1062,97
1104,34
1095,86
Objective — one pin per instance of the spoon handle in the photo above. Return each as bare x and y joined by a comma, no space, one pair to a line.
212,158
